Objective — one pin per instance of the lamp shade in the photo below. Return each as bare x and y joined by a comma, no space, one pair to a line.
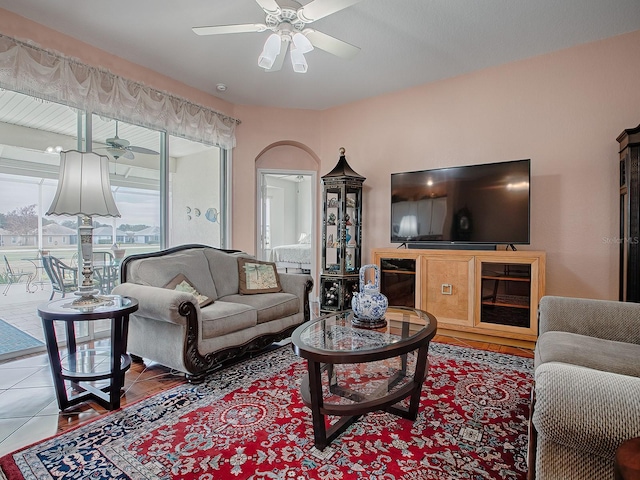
83,186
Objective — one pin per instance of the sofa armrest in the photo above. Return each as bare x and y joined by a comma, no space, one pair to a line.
300,286
610,320
158,303
585,409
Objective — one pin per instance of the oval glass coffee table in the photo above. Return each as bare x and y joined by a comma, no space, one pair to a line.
352,371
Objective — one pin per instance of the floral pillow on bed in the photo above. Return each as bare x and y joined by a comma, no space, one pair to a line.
257,277
180,283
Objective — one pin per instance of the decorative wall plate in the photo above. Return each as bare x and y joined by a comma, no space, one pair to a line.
211,214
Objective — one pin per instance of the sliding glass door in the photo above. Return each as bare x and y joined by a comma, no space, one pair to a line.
169,191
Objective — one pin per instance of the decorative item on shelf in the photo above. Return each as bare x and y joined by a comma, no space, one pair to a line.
351,201
351,241
348,236
84,190
347,219
349,261
333,202
369,305
331,294
331,219
330,243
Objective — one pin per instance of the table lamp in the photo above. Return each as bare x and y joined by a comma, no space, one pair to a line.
84,190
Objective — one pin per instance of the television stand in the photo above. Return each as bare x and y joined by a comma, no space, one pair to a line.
489,293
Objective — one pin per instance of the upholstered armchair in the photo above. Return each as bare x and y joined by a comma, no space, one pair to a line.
586,399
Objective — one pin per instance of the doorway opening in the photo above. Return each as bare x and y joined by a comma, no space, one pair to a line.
286,219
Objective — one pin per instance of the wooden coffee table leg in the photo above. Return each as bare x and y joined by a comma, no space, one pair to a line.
418,378
627,460
315,391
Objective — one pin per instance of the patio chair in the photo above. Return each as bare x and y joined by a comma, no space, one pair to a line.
106,271
14,277
63,278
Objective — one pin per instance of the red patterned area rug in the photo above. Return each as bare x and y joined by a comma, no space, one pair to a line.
248,422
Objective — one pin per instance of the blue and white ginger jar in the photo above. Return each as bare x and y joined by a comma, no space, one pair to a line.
369,303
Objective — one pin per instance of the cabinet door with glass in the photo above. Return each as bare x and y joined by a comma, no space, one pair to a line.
342,230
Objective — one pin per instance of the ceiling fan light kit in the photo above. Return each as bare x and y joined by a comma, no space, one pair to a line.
302,43
270,51
298,61
287,20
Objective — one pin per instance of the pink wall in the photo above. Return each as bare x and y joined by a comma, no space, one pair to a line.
563,110
261,128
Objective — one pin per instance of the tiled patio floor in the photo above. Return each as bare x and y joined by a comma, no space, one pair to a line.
19,308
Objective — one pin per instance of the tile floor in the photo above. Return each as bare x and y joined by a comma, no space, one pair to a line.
29,410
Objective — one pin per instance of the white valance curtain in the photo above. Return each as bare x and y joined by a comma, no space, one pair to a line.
29,69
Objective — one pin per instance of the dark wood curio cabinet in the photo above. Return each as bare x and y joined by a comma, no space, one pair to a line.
629,238
341,235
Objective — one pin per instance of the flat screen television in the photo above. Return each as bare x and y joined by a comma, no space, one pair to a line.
484,204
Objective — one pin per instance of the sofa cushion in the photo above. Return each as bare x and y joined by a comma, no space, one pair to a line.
221,318
182,284
604,355
223,268
256,276
270,306
159,271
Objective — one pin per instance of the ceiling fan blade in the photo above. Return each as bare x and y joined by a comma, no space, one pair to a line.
279,61
223,29
128,154
331,44
318,9
269,6
146,151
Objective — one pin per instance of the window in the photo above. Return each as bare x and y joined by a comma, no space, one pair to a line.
154,178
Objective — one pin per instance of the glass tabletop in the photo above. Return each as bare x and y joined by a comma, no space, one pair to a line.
63,308
334,333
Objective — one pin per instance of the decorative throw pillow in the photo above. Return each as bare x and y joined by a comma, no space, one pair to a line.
257,277
181,283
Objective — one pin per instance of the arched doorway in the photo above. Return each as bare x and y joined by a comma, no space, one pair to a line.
286,178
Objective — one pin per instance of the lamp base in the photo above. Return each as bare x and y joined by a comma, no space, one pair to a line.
87,299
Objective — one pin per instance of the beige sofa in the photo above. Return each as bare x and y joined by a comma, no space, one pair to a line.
172,328
587,387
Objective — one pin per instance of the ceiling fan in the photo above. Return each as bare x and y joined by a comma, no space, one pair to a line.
119,147
288,21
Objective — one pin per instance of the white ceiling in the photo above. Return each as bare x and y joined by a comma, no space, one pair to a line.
404,42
